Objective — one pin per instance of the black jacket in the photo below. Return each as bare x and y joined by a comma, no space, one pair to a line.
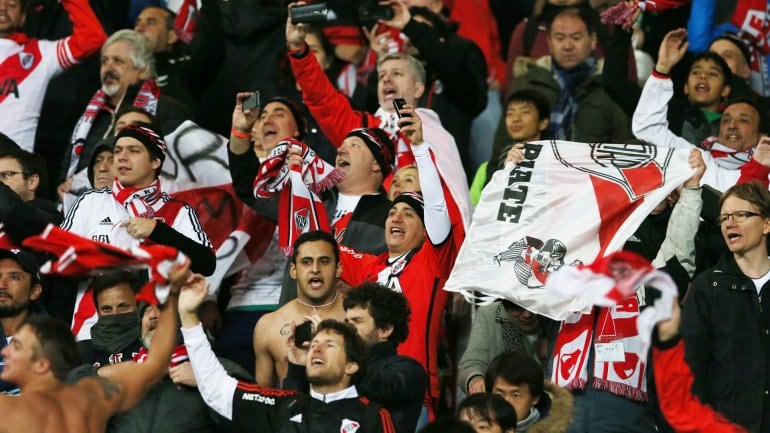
395,381
172,68
689,122
100,358
726,330
170,114
245,42
22,219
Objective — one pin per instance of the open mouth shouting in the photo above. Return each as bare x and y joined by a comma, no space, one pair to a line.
389,92
702,87
315,283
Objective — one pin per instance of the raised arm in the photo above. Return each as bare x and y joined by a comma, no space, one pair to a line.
215,385
437,223
684,221
328,106
87,34
243,162
131,380
649,122
458,62
243,122
758,167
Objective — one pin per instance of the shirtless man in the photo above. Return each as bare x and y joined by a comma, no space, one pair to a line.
43,351
316,266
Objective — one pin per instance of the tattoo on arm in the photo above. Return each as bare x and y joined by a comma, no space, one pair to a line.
109,387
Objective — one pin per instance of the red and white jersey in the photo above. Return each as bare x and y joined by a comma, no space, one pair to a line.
97,216
26,66
420,275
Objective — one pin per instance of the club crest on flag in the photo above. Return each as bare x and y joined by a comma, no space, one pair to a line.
633,167
533,259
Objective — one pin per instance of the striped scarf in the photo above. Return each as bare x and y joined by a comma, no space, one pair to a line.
147,98
724,156
138,202
616,334
299,208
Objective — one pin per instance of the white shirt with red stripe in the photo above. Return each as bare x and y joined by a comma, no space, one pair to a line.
28,64
97,216
26,67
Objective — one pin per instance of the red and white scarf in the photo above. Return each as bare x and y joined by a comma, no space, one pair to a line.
186,20
617,332
300,210
139,202
79,256
751,18
147,98
724,156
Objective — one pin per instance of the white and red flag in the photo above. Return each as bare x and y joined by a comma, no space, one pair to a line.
196,172
566,204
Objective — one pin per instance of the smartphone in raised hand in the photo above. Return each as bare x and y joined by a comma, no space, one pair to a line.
303,333
252,101
399,104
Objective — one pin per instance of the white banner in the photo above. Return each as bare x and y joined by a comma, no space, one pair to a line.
567,203
196,172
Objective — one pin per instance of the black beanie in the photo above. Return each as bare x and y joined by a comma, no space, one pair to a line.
379,144
414,200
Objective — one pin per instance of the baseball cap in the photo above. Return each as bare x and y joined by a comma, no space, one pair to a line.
27,261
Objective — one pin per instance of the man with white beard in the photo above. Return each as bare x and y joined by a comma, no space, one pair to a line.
127,73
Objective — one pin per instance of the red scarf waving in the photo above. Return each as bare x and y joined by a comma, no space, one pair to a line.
617,333
79,256
300,210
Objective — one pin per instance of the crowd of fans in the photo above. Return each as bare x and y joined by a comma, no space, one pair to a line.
361,142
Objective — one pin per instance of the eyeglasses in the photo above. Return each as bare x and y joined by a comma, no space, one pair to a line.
738,216
9,174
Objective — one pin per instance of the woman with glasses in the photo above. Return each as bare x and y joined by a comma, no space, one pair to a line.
726,317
